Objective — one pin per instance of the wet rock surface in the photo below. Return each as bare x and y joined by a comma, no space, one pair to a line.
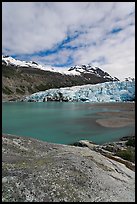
34,170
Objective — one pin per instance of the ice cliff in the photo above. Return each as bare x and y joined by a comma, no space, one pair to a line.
102,92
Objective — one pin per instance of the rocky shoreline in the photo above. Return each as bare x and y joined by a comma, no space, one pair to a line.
36,171
122,151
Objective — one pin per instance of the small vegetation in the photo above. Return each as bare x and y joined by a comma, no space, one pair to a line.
6,90
8,71
127,154
42,87
30,90
78,144
109,148
19,91
131,142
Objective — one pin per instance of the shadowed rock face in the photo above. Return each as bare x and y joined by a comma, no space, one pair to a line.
33,171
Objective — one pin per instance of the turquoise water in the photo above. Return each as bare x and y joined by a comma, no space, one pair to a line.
63,123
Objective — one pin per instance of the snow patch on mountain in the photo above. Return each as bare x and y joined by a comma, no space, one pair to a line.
18,63
92,70
103,92
76,70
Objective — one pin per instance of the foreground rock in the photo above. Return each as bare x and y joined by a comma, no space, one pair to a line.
33,171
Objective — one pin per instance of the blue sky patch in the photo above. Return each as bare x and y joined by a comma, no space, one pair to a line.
115,30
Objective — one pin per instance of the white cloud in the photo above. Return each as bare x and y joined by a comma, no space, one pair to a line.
56,58
31,27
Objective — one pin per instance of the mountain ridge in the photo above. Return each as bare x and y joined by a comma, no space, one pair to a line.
20,78
74,70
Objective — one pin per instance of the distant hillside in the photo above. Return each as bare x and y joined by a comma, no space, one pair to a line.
20,79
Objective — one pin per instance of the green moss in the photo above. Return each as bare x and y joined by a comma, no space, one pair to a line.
37,163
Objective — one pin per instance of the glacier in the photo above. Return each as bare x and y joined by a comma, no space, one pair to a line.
116,91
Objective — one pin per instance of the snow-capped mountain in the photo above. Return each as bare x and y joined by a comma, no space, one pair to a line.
103,92
21,78
76,70
92,70
6,60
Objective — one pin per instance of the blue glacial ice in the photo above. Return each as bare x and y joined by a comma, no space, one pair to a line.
102,92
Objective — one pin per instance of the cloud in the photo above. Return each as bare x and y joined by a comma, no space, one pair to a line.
61,58
69,33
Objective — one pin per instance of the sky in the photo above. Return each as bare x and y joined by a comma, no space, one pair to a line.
64,34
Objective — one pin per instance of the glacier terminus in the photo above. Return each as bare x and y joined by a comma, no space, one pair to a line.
116,91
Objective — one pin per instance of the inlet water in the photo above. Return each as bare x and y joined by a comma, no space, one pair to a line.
55,122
